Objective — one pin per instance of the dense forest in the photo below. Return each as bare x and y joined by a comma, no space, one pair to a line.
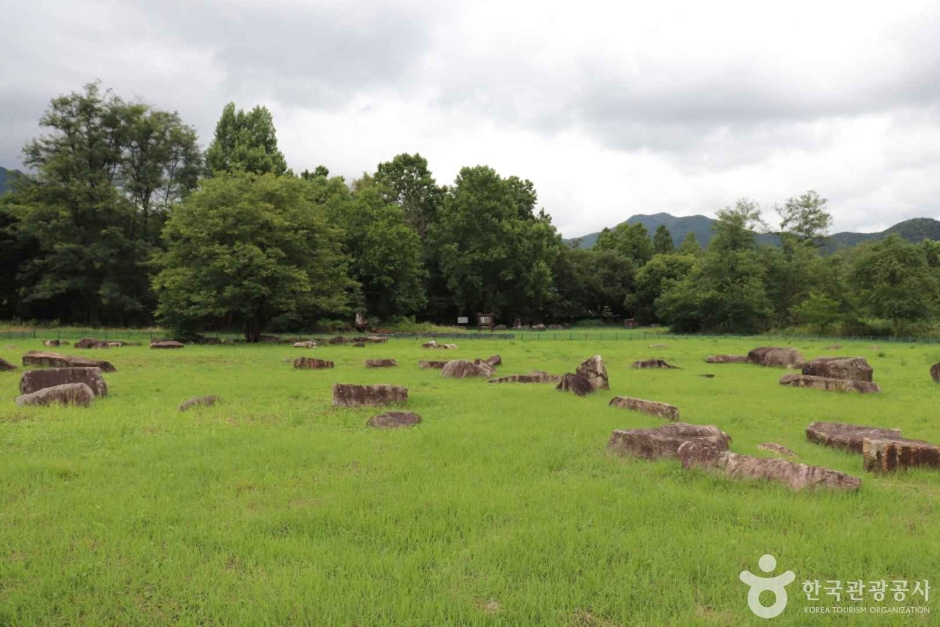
125,220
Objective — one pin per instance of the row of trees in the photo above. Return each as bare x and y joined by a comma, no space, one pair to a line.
124,219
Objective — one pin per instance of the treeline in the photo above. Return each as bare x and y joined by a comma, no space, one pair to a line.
125,221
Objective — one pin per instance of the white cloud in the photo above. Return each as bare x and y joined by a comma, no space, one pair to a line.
610,109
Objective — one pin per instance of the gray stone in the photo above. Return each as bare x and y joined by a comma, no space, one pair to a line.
664,441
726,359
77,394
534,377
394,420
55,360
853,368
791,474
654,408
462,369
199,401
576,384
594,370
848,437
166,344
309,363
774,356
88,342
349,395
433,365
6,366
380,363
773,447
35,380
654,363
829,385
889,455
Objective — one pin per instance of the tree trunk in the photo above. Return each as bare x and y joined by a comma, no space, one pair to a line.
253,332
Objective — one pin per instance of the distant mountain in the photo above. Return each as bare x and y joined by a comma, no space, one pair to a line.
678,227
6,177
913,230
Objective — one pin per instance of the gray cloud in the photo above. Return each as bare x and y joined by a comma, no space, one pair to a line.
678,107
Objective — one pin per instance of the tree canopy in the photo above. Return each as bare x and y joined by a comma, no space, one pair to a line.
245,250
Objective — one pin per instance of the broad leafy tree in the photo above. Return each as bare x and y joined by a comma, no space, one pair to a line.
246,250
805,217
496,253
725,291
653,279
690,245
630,240
407,182
106,172
895,282
591,284
385,253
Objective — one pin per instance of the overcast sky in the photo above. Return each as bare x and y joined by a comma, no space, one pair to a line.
611,109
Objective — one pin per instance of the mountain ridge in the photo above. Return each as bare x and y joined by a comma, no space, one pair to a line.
913,230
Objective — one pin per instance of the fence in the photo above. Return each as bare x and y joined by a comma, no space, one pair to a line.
523,336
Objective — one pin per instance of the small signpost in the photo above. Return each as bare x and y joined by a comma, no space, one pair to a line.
463,320
485,321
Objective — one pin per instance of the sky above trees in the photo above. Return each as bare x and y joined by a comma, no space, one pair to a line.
609,110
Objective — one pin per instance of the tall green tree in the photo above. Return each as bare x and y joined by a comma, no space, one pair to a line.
652,280
895,282
496,254
408,183
662,241
725,291
805,217
690,245
590,284
385,254
246,250
630,240
105,173
795,269
245,142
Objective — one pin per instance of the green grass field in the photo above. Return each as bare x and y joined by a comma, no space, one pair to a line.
502,508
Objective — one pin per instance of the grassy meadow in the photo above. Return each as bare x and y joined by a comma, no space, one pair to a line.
502,508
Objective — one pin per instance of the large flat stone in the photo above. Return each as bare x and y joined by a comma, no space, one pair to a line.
775,356
888,455
380,363
654,408
77,394
654,363
349,395
853,368
311,363
848,437
35,380
534,377
463,369
726,359
394,420
829,385
56,360
791,474
664,441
